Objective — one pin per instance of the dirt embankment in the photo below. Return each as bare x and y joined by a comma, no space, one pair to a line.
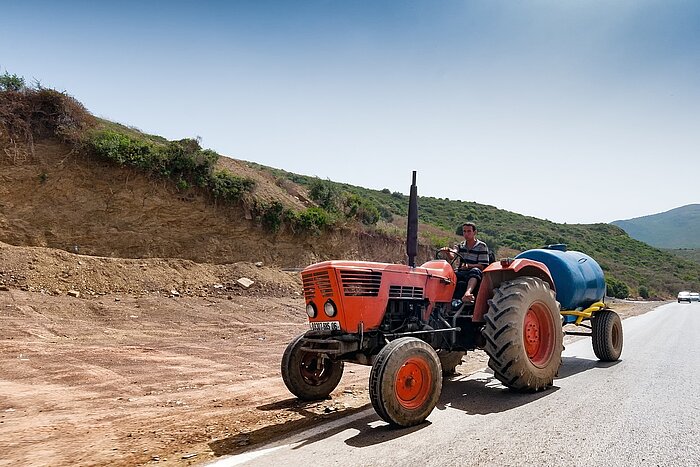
70,202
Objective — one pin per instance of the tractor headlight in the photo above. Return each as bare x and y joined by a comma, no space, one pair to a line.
329,309
311,310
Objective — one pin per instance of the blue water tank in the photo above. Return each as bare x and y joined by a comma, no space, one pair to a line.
578,278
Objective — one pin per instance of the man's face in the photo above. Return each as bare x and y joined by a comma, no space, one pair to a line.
468,232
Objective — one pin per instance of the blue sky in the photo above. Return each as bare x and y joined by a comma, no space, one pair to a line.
573,111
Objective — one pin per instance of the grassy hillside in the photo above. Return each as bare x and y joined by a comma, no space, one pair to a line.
677,228
691,254
324,207
627,263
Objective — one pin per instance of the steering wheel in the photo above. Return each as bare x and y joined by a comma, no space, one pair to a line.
455,262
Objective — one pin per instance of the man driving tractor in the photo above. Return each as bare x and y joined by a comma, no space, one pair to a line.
473,258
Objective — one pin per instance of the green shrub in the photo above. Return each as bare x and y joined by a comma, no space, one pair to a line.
182,185
10,82
643,292
186,158
326,194
225,185
616,288
272,216
386,213
122,149
312,220
436,241
361,209
183,161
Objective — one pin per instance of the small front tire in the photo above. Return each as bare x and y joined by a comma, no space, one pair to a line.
309,376
405,382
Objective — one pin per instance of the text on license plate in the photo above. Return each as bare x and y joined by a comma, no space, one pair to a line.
325,325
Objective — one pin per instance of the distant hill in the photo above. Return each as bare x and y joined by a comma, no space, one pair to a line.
674,229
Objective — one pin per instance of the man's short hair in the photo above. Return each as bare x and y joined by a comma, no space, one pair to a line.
470,224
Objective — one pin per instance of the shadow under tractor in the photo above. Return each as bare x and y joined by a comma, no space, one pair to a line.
402,320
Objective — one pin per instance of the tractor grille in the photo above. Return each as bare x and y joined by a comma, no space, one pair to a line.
402,291
361,283
316,281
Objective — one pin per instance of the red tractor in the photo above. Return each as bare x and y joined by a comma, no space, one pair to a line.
402,320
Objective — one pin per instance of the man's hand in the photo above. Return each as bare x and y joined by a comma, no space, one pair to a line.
449,251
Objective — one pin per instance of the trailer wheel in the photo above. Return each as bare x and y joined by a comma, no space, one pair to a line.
308,375
607,335
405,381
449,361
523,332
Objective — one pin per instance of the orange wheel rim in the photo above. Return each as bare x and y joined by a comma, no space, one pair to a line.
538,334
413,383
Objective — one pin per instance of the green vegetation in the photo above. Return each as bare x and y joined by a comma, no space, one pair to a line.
691,254
617,288
643,291
184,161
632,268
10,82
336,200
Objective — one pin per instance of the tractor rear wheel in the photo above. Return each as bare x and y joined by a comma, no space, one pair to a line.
309,375
523,332
607,335
405,381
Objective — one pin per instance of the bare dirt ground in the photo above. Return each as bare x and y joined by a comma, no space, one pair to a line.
155,361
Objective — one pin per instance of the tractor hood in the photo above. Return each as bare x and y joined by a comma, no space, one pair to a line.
357,292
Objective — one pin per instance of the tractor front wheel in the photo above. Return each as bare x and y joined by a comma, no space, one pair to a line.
308,375
405,382
607,335
523,332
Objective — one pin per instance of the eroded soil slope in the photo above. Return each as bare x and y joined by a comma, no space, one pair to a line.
75,203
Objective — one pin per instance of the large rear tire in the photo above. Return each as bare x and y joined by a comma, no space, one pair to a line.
523,332
405,382
309,376
607,335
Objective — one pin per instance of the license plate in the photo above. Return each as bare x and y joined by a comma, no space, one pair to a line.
325,325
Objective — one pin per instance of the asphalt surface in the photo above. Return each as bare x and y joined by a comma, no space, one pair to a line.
643,410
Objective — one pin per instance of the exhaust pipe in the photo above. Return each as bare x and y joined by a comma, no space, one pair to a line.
412,230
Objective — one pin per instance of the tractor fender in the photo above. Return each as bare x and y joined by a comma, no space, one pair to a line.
505,270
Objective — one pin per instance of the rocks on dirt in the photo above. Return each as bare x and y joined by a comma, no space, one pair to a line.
73,293
245,282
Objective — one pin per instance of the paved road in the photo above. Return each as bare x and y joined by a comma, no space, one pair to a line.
641,411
